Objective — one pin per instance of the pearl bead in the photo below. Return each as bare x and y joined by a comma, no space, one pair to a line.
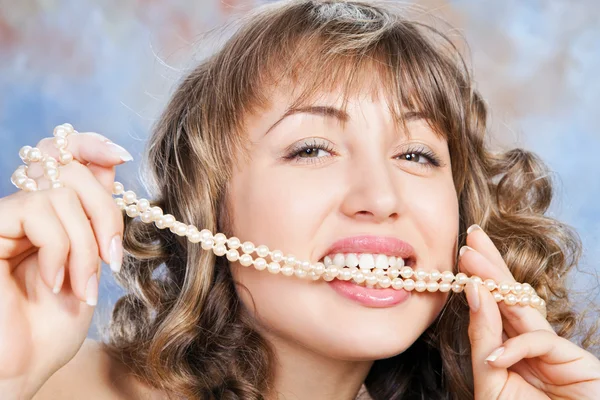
288,270
311,275
143,205
30,185
132,211
178,228
397,283
56,185
371,279
358,276
379,273
277,256
319,268
345,274
274,267
246,260
20,181
524,300
420,286
160,223
421,275
219,249
435,275
393,272
504,287
260,264
476,280
290,259
406,272
168,220
385,282
457,287
490,284
120,203
527,289
118,188
60,142
300,273
447,276
220,238
233,255
146,217
35,155
65,157
24,151
262,250
195,237
498,296
433,286
207,244
234,243
445,287
409,284
332,271
542,303
61,132
461,278
517,288
129,197
51,173
205,234
510,299
156,212
305,265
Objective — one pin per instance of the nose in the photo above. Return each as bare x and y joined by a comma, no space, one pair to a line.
372,191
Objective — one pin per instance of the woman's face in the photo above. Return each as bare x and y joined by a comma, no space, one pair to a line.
311,182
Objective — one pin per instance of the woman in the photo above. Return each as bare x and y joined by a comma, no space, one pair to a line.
328,130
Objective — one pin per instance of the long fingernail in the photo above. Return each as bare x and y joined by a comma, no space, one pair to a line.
116,253
119,151
463,249
472,292
494,355
91,291
58,281
99,136
472,228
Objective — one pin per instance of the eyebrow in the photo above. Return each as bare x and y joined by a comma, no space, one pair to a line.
336,113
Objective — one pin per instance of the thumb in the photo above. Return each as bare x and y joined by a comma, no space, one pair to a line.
485,334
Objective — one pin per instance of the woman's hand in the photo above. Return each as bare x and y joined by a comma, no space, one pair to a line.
534,363
51,243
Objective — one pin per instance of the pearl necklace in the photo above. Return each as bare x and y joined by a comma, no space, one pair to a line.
511,293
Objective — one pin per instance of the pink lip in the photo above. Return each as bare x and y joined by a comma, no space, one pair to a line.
370,297
390,246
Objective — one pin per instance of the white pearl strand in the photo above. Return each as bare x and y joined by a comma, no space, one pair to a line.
511,293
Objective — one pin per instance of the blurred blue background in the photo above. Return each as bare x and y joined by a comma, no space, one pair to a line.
109,66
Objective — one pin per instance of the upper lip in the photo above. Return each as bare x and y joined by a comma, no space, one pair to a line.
387,245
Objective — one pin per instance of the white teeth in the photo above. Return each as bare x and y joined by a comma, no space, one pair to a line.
399,263
351,261
339,260
381,261
366,261
392,261
327,261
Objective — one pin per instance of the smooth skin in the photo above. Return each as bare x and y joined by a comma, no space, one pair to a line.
42,334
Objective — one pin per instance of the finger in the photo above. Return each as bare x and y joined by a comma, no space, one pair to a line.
33,216
562,358
478,239
485,335
522,318
83,255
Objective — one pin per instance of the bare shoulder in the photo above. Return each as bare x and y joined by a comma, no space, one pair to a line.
93,374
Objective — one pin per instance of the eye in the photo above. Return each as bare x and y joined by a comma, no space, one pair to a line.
422,156
309,151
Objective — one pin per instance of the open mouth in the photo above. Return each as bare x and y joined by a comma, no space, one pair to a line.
367,269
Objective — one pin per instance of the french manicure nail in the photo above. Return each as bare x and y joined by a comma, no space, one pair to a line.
116,253
118,150
494,355
91,291
472,292
463,249
58,281
472,228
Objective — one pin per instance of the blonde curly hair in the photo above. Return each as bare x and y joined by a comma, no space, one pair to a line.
181,327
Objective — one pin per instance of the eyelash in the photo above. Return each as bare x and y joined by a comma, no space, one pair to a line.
294,154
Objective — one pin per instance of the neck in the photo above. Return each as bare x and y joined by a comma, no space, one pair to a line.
303,374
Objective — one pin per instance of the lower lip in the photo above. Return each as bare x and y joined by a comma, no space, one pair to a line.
369,297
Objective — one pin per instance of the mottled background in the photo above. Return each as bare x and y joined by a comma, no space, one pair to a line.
109,66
